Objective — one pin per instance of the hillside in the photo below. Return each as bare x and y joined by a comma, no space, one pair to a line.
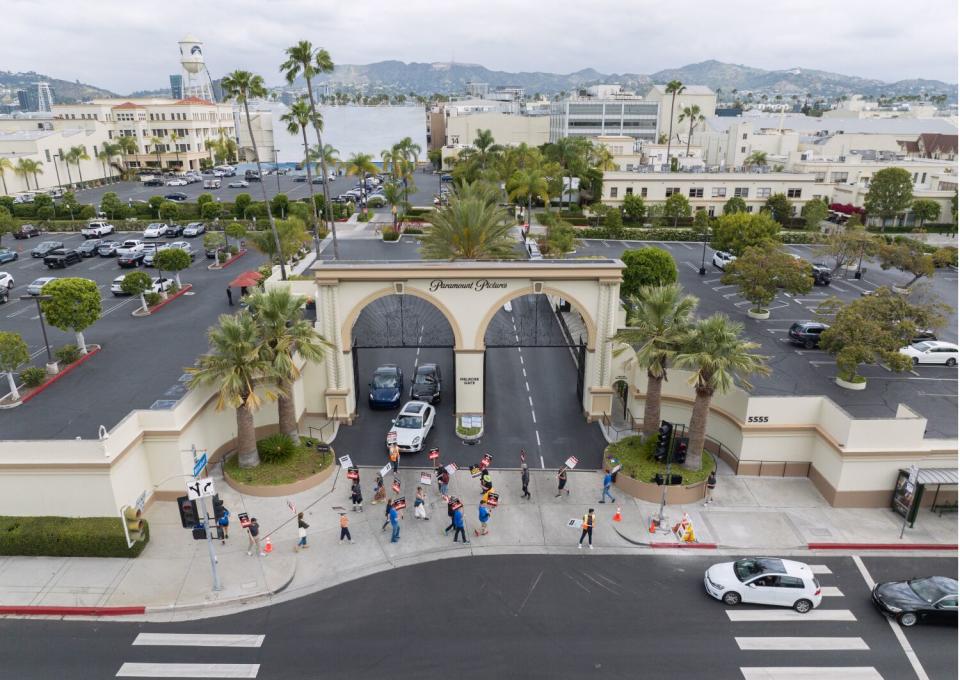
64,91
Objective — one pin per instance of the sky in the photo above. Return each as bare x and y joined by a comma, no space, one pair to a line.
124,46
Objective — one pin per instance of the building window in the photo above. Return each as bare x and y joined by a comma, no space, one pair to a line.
629,191
793,193
741,192
613,192
671,191
838,177
718,192
47,152
643,192
744,138
710,211
819,176
743,149
695,192
763,192
749,208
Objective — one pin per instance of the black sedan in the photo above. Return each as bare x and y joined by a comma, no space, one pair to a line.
386,387
933,598
129,260
90,247
176,196
45,248
108,248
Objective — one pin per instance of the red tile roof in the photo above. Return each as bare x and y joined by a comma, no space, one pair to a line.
195,100
932,143
128,105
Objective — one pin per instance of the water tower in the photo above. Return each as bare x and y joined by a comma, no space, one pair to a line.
196,78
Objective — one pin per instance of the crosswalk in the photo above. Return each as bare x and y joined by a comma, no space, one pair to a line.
773,643
138,669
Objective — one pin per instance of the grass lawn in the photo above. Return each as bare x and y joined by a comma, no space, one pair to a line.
636,456
304,462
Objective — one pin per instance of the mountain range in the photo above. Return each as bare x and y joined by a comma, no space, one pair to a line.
64,91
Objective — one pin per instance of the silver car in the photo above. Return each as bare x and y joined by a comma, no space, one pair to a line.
194,229
36,287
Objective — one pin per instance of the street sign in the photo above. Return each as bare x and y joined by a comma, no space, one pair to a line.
345,461
200,488
425,478
141,500
200,464
434,454
385,470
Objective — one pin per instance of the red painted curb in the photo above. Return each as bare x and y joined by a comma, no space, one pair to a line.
40,388
233,259
164,303
41,610
701,546
881,546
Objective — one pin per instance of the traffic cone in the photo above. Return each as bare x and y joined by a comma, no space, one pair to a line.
653,525
268,546
617,516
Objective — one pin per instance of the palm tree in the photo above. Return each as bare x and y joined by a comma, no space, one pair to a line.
128,145
75,155
471,227
157,142
720,359
393,194
235,364
297,120
692,114
241,85
529,182
659,321
571,152
674,87
26,167
5,164
174,138
484,144
303,59
284,333
756,158
107,152
361,165
602,159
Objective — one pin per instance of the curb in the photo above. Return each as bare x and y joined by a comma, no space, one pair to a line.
669,545
43,610
217,267
37,390
171,298
881,546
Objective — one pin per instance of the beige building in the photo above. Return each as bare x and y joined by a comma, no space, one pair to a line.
626,151
261,120
698,95
507,129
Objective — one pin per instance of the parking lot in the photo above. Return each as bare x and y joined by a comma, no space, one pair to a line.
142,359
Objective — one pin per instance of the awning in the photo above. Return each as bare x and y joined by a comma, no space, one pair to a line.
937,476
246,280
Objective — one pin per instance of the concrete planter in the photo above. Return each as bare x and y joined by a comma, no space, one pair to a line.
469,438
274,490
762,315
677,494
851,385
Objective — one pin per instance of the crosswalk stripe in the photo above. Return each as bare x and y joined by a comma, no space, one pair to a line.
800,643
188,670
811,673
188,640
748,615
830,591
820,569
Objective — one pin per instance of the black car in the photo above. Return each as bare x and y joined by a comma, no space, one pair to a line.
26,231
61,258
153,182
176,196
822,275
806,333
108,248
174,230
923,335
933,598
128,260
251,176
426,383
90,247
386,387
45,248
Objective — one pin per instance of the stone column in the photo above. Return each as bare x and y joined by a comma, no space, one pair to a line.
338,396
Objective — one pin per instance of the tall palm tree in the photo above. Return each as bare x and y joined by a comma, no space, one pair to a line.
297,120
128,145
571,153
692,114
602,159
720,359
659,321
674,87
303,59
235,364
471,227
527,183
756,158
107,152
361,165
5,164
157,142
75,155
410,149
485,145
26,167
394,196
241,86
284,333
174,138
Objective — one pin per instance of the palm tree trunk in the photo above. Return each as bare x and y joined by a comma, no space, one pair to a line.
263,188
698,428
689,137
247,455
3,177
327,208
313,202
80,172
36,182
651,404
670,134
286,409
69,176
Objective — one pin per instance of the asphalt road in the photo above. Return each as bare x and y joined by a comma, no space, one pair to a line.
529,616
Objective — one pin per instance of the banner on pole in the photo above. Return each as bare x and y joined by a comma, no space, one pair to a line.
571,462
451,468
434,454
386,470
426,478
396,485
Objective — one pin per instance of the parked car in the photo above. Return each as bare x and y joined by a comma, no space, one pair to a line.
90,247
132,258
178,182
173,230
932,598
932,352
44,248
426,383
4,295
6,281
96,229
412,426
822,274
155,230
153,182
186,247
386,386
108,248
150,254
252,176
238,184
194,229
176,196
446,178
131,244
211,252
61,258
159,285
721,259
36,287
7,255
26,231
212,183
299,178
806,333
923,335
316,180
764,580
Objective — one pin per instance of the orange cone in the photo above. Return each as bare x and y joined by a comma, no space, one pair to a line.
653,525
617,516
268,546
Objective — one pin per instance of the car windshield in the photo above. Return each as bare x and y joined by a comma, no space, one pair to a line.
425,378
922,346
927,589
384,381
748,568
409,422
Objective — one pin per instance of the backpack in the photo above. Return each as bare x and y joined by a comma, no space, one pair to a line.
224,518
254,530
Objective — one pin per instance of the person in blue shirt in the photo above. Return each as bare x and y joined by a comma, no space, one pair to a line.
607,482
484,518
458,525
395,523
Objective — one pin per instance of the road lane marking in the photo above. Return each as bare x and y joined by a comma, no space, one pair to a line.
684,245
754,615
543,465
521,359
528,386
530,399
782,644
537,432
524,372
19,311
534,414
194,640
188,670
696,269
810,673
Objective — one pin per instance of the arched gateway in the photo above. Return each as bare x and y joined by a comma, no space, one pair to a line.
468,295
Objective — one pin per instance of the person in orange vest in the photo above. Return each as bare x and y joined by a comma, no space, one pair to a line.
587,529
345,528
395,457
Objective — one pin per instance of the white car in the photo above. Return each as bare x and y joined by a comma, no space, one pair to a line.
932,352
159,285
37,286
238,184
411,426
179,182
722,258
194,229
6,280
764,580
155,230
96,230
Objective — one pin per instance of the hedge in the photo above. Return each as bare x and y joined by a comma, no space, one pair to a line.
67,537
691,235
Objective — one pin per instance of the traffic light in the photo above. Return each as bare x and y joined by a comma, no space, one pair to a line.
218,508
680,451
664,434
134,524
188,512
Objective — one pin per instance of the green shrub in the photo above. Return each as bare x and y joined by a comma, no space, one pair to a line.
152,298
33,376
67,354
67,537
222,256
412,230
636,456
390,234
277,448
365,217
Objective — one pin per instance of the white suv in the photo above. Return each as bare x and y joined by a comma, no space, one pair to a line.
411,426
764,580
722,258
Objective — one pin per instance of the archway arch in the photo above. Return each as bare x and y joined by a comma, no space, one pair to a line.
346,328
588,321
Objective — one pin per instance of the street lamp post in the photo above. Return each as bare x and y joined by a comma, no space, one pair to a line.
277,166
703,256
52,368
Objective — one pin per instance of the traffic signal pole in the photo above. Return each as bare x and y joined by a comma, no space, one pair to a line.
213,557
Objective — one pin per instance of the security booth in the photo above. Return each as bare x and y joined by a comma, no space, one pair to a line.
912,484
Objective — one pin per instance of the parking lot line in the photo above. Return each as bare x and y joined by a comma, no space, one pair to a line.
684,245
696,269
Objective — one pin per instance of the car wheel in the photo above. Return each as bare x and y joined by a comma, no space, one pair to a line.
915,361
951,362
802,606
731,599
10,285
808,344
907,619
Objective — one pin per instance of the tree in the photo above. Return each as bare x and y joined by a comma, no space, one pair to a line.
485,146
211,211
204,198
138,283
813,213
241,86
693,115
106,155
157,143
780,208
890,193
26,167
111,204
75,155
848,244
907,255
701,219
361,165
675,207
280,205
734,205
236,231
169,211
128,146
393,195
764,269
5,164
292,234
925,210
736,232
873,328
470,227
303,59
297,120
235,365
74,305
673,88
613,223
240,205
172,260
154,202
658,321
756,159
719,358
561,238
646,267
7,223
14,352
529,183
634,208
284,333
174,138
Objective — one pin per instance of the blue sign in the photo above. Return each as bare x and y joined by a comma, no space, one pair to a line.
199,465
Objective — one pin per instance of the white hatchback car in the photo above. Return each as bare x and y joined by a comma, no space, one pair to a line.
411,426
722,258
764,580
155,230
932,352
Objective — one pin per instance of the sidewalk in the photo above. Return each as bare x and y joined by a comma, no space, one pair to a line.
172,577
